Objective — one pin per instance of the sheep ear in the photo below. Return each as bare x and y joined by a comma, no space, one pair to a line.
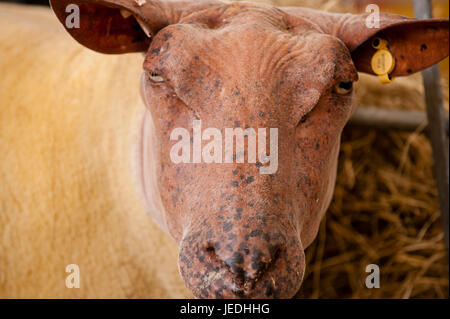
415,44
121,26
106,26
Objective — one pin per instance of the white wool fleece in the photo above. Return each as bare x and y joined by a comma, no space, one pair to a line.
69,119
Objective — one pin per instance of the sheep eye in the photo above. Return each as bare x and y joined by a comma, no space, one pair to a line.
343,88
155,77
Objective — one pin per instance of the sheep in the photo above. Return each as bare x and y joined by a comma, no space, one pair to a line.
59,184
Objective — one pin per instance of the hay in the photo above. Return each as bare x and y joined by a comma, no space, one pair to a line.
385,209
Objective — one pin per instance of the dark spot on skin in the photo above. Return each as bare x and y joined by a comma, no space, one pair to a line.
238,292
409,71
205,293
258,265
167,36
229,198
249,180
261,114
186,261
229,247
255,233
236,259
423,47
232,237
274,251
227,226
219,294
269,291
235,183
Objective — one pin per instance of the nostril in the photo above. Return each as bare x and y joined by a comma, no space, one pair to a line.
211,251
276,254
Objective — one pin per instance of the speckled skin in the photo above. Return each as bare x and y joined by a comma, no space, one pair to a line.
242,234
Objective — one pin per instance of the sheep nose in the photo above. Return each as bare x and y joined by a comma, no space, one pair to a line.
248,262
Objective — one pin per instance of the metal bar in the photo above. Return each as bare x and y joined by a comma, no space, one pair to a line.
435,112
384,119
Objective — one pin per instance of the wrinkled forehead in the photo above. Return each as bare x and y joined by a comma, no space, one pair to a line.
247,50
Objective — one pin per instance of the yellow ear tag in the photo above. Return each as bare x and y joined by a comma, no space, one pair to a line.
383,61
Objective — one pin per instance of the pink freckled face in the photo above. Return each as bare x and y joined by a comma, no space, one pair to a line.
242,233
